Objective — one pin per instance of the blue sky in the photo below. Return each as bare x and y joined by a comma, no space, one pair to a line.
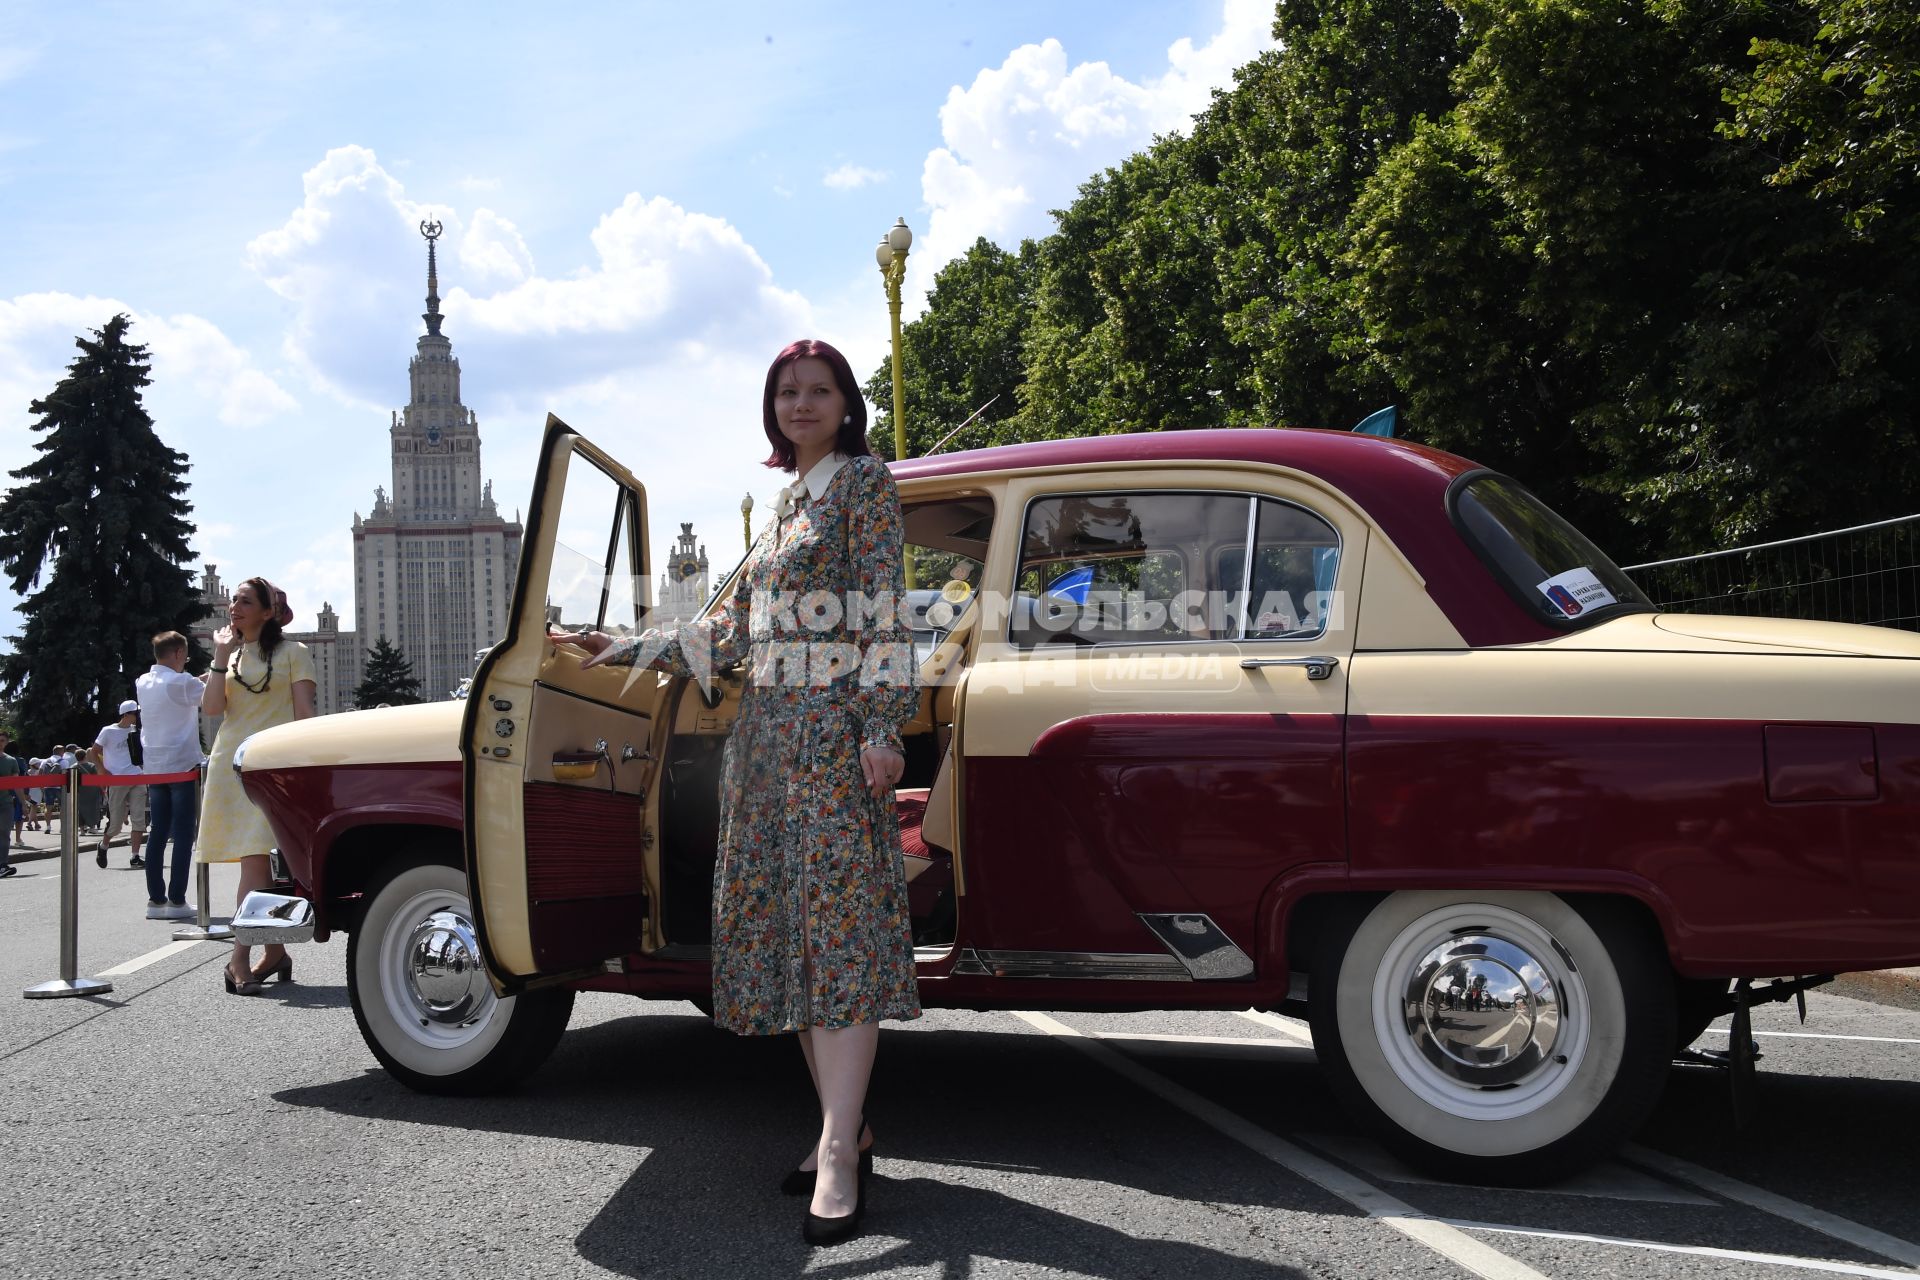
643,201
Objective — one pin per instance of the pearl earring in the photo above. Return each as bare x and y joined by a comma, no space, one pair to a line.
847,421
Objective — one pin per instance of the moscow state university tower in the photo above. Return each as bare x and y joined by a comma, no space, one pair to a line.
433,565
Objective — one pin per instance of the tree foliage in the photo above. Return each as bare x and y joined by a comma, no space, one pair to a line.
1657,258
100,516
387,679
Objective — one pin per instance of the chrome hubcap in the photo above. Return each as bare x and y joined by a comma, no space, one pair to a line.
444,976
1481,1010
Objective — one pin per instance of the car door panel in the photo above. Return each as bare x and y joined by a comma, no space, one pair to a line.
558,869
1115,781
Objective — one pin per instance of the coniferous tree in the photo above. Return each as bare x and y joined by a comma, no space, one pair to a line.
100,515
389,678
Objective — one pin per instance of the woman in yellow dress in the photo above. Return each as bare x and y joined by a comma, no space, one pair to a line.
258,679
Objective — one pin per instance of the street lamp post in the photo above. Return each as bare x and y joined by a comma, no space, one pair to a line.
746,520
892,257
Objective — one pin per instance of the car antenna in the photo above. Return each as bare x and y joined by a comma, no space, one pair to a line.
962,427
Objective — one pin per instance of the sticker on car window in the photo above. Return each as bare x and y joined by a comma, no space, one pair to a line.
1576,591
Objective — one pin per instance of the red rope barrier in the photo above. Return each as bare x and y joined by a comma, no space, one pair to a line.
22,781
104,780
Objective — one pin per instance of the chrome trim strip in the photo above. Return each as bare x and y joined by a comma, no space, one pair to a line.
1319,667
1246,575
1200,945
1125,966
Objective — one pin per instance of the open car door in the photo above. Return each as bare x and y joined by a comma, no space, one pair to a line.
556,759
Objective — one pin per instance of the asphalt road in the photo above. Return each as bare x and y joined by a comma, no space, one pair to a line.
168,1129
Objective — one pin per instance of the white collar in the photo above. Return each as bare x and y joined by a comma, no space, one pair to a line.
812,484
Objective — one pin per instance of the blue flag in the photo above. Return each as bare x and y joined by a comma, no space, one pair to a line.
1378,424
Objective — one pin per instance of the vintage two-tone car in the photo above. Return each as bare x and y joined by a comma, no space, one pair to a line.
1259,719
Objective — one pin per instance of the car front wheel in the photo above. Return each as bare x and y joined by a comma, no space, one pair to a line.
421,994
1494,1037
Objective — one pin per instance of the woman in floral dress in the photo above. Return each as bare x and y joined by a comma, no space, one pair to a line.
810,927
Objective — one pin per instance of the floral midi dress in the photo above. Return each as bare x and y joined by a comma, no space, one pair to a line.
810,922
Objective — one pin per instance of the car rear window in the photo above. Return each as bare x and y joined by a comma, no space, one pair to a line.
1543,562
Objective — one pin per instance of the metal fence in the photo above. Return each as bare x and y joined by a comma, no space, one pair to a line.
1868,574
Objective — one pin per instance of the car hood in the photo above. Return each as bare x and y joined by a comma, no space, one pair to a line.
1717,633
429,732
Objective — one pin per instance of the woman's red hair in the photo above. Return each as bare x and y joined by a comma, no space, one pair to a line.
853,433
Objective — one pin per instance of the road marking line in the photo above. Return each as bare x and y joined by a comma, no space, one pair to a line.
1448,1241
1292,1030
1238,1042
140,962
1814,1035
1695,1250
1779,1206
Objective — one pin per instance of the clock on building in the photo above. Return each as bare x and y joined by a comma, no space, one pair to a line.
688,569
433,434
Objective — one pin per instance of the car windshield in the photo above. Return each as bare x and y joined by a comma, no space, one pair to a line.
1542,561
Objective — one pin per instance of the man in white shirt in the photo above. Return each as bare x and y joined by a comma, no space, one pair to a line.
169,701
116,757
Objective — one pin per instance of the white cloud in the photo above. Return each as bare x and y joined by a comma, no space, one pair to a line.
492,250
666,281
349,259
1022,138
195,367
851,177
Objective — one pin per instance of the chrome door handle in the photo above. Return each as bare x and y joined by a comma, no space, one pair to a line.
1319,666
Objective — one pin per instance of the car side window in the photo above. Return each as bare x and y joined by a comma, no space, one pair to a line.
1128,568
1296,558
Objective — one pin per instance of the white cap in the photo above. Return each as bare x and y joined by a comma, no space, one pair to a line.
129,706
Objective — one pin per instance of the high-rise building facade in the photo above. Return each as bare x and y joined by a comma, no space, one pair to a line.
433,562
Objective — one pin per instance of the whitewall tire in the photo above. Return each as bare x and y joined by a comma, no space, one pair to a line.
421,995
1494,1037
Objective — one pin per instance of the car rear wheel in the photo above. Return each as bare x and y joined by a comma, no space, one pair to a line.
421,995
1494,1037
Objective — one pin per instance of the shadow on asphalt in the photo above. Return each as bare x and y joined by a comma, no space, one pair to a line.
715,1120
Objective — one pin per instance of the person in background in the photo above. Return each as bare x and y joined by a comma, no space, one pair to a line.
169,708
51,791
10,767
88,802
115,747
258,679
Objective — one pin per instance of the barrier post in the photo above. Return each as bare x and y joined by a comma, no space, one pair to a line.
202,929
69,983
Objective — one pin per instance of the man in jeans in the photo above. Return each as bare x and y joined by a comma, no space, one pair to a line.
169,701
9,767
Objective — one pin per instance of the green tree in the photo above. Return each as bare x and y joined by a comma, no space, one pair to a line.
388,678
1836,97
101,517
1577,276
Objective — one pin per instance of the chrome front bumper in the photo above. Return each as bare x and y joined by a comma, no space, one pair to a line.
265,919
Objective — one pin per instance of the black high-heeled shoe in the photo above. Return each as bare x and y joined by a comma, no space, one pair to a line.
282,970
816,1230
247,988
799,1182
